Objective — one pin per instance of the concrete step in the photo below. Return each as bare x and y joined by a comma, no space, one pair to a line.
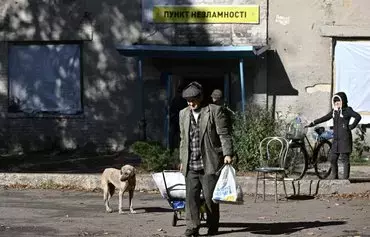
145,182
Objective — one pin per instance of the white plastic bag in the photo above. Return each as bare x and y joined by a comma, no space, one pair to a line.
227,190
175,182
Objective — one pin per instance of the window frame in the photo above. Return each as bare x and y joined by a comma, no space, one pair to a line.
334,79
46,114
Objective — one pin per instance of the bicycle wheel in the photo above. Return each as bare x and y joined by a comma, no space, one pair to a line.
296,161
321,159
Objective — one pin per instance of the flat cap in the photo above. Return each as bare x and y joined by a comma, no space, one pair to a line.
193,90
217,94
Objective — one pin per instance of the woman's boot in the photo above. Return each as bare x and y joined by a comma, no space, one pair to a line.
334,166
346,166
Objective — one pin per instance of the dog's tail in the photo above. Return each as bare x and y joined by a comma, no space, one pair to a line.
111,189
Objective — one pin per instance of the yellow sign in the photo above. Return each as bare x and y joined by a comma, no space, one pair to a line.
206,14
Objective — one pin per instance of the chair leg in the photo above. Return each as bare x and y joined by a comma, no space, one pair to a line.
256,193
286,195
264,188
276,197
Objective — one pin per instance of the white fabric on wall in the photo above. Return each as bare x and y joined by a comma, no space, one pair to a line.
45,78
352,74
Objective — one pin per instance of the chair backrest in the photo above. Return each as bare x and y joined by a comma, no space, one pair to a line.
273,151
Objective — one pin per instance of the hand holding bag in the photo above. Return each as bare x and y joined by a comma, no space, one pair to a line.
227,190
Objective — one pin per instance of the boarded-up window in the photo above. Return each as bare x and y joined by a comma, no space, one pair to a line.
45,78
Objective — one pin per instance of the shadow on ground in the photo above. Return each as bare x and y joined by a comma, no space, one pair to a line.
301,197
276,228
65,162
153,209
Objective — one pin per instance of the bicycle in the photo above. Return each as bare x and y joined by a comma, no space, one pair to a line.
298,159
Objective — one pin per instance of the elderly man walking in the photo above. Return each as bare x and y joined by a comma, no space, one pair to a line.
205,144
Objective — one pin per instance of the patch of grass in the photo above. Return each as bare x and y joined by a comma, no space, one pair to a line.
364,161
49,184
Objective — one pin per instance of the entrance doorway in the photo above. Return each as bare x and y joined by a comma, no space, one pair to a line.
209,84
176,102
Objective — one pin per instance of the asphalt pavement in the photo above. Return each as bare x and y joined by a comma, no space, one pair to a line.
46,212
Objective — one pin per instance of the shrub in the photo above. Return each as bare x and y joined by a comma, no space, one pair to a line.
359,146
154,156
248,131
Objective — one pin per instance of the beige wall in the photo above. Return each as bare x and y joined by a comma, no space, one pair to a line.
301,33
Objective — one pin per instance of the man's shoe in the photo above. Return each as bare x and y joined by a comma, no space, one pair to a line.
192,232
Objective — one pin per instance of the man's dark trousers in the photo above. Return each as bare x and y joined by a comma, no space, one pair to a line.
195,182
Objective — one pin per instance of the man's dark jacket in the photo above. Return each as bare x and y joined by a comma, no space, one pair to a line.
215,138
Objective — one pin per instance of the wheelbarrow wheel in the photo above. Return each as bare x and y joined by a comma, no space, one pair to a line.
174,219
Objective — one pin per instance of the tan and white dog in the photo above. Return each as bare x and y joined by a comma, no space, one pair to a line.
124,180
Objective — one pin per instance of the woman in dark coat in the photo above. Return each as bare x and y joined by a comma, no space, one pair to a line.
342,143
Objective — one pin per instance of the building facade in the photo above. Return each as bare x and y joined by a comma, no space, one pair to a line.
304,37
65,84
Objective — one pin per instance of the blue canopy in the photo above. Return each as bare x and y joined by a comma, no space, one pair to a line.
189,51
206,52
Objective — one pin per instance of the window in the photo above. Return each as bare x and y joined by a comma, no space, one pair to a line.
45,78
352,74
